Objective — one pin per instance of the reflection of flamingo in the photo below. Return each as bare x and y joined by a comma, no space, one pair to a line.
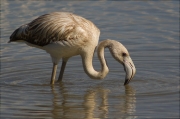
130,100
126,104
64,35
96,102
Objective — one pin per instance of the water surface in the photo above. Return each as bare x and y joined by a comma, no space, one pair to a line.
149,30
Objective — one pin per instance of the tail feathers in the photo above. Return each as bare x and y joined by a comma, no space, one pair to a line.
19,34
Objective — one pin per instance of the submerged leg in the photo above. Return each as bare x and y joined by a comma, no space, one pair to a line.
62,70
53,76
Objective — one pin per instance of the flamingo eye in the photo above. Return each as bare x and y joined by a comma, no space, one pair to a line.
124,54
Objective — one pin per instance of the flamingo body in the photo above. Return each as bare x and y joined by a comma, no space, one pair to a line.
64,35
60,34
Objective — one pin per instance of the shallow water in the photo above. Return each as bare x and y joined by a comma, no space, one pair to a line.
149,30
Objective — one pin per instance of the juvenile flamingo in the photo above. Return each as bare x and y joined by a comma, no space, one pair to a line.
64,35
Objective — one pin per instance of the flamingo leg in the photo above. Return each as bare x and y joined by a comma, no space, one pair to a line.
53,73
62,70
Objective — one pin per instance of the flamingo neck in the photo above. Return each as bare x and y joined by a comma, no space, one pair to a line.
88,66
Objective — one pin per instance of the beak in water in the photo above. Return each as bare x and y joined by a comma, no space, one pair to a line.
129,69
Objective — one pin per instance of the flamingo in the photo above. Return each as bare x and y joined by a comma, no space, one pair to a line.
63,35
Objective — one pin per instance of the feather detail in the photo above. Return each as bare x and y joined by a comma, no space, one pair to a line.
53,27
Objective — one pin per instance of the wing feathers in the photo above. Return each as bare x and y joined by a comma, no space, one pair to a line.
53,27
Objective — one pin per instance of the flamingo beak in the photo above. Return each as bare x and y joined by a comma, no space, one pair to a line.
129,68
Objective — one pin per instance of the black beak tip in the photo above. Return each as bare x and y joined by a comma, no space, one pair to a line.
126,82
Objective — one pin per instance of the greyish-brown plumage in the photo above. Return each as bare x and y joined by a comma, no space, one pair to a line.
64,35
53,27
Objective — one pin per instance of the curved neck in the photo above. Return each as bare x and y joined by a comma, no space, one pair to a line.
87,58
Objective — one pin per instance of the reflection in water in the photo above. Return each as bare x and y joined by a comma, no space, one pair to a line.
93,104
130,101
60,107
94,108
